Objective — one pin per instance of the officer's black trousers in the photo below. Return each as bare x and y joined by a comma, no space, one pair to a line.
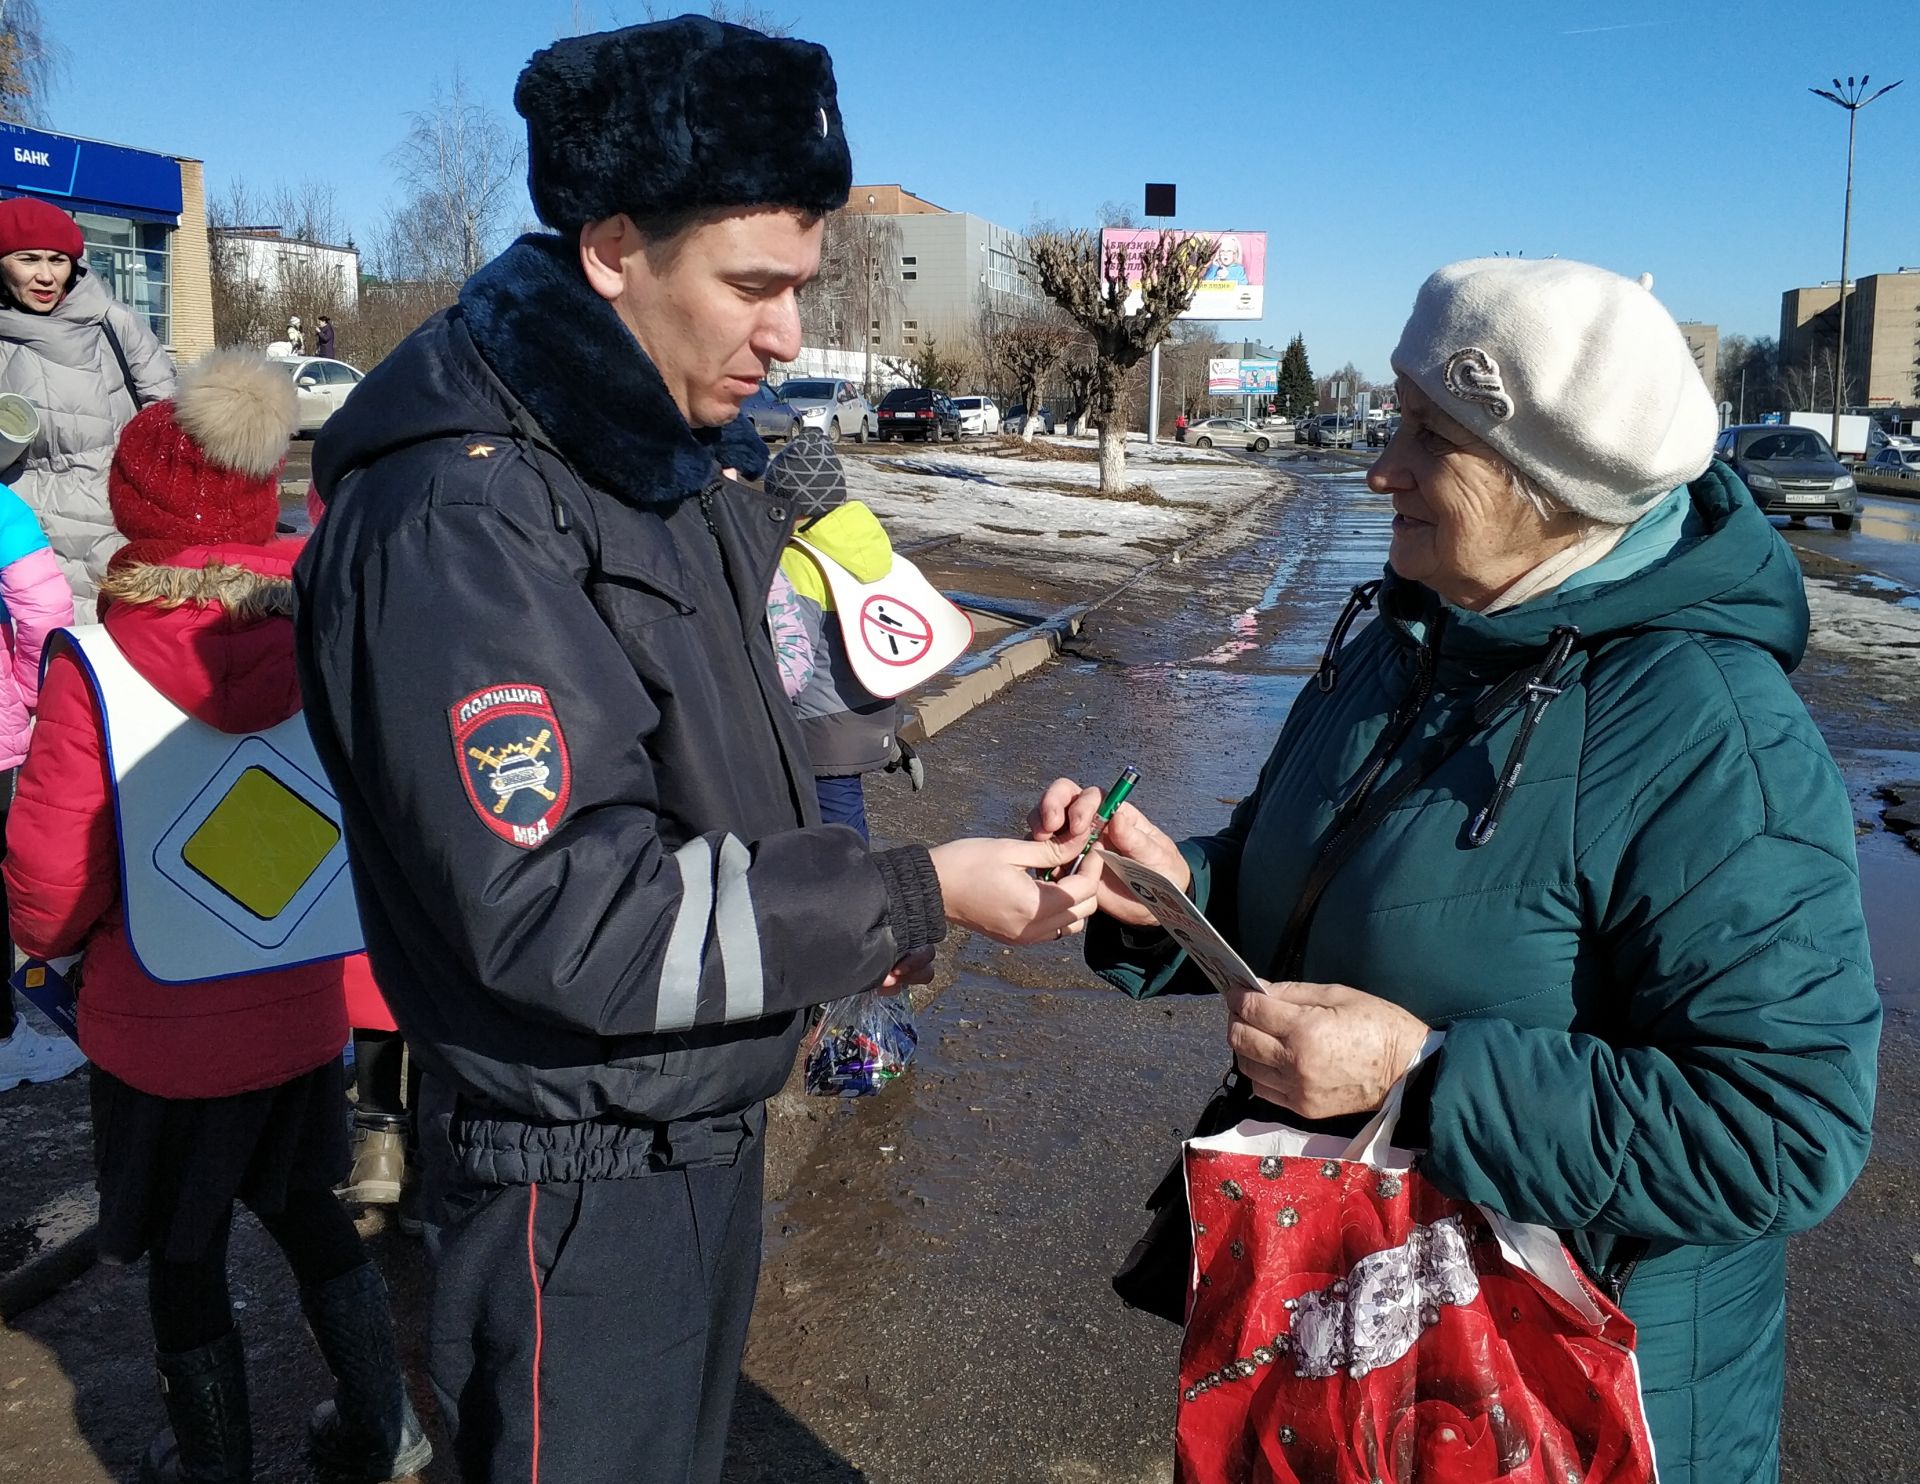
592,1331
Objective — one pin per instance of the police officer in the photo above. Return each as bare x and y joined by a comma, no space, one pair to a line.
581,820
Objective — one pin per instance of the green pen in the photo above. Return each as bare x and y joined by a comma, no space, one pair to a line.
1116,796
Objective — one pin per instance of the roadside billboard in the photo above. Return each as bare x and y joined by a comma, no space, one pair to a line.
1235,284
1243,378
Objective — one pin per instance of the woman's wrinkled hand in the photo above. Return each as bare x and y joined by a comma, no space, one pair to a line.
989,886
1064,815
1321,1050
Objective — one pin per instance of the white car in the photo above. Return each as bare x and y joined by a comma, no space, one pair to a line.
322,385
1228,432
833,406
978,415
1893,463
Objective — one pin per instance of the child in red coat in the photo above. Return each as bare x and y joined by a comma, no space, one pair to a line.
206,1089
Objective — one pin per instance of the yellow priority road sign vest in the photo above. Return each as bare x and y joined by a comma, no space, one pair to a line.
232,859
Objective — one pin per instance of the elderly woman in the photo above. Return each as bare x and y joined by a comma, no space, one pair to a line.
1560,800
88,363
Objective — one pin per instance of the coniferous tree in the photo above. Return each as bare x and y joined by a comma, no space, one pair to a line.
1298,397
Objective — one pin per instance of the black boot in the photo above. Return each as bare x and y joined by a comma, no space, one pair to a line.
368,1433
205,1392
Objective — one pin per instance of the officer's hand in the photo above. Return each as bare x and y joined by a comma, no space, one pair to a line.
988,886
1066,812
915,968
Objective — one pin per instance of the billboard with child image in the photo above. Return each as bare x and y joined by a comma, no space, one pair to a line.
1234,285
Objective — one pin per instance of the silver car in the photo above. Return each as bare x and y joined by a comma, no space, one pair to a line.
1228,432
772,418
835,407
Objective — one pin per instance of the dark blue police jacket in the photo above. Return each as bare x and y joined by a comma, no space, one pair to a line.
533,644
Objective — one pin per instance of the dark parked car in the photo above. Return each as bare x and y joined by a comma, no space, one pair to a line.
1380,431
772,418
1791,471
1014,420
1330,430
918,412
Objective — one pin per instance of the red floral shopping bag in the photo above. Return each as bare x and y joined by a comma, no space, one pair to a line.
1350,1324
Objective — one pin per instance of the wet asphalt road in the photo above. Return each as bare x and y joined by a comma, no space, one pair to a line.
1885,539
935,1307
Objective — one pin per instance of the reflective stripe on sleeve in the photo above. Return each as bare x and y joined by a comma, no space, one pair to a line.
679,996
739,934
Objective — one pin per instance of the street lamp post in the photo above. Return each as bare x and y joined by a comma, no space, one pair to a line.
1853,97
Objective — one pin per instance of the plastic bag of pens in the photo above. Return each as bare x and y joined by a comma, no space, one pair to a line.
860,1045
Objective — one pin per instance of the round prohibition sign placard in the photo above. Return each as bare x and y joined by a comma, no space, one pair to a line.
894,632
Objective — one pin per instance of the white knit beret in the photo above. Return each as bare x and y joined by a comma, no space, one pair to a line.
1577,377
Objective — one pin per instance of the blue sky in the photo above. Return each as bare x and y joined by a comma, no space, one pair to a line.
1372,142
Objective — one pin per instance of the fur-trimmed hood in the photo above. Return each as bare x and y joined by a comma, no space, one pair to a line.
529,331
212,631
243,594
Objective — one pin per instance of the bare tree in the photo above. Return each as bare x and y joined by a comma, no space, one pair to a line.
1095,288
828,306
243,307
28,61
388,312
1183,368
856,299
461,172
263,262
1082,371
1028,349
1749,375
945,367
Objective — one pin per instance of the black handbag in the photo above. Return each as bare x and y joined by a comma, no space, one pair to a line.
1155,1275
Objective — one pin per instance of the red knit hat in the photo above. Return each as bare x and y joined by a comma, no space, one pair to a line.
28,224
205,467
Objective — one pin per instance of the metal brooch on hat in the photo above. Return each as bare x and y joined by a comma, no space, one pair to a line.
1474,376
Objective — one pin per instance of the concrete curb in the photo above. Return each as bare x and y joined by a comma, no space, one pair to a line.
983,676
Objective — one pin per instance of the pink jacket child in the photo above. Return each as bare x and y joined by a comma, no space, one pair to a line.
36,601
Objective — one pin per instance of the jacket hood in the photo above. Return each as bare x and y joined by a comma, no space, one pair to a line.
852,535
211,629
1736,580
529,334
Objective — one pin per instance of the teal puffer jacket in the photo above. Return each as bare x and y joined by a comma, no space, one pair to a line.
1654,974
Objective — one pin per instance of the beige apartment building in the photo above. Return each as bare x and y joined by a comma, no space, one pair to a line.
1704,342
1883,335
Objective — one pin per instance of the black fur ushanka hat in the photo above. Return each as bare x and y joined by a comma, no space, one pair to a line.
681,115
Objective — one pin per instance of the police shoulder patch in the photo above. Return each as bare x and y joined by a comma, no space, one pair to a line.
513,760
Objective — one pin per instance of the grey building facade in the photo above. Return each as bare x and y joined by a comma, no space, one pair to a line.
954,271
